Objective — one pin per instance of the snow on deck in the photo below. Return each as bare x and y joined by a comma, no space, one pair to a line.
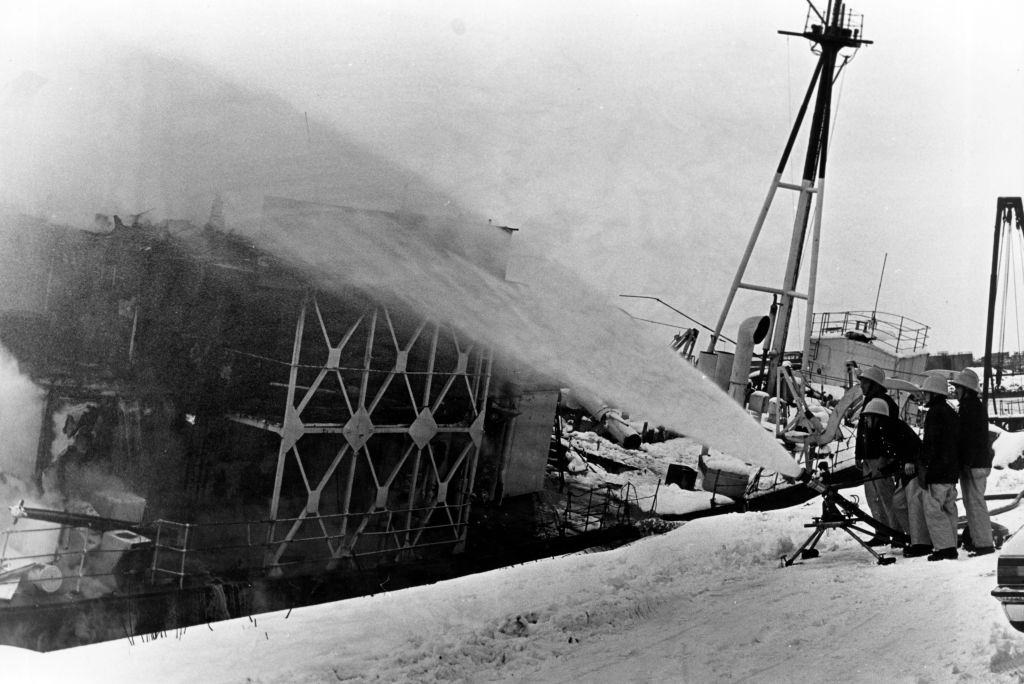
707,601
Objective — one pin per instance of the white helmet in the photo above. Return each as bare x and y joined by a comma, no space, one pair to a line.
967,379
877,407
935,384
875,375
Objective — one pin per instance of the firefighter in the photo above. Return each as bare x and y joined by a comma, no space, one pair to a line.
941,468
902,447
975,454
868,453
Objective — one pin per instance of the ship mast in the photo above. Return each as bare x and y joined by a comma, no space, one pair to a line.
1009,217
835,30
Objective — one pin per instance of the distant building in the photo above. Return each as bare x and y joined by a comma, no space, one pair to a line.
950,360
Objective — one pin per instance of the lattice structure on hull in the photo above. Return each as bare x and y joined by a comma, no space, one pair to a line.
380,436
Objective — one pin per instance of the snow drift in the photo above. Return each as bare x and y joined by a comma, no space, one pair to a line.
705,602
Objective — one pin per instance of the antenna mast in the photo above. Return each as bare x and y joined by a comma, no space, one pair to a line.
835,30
878,294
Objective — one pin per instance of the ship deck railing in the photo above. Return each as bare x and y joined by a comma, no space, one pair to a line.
180,547
763,481
596,508
1006,410
182,550
1003,405
74,557
898,334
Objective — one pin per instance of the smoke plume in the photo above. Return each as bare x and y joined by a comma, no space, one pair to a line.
123,131
21,411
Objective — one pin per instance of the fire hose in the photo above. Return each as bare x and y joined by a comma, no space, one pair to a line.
93,522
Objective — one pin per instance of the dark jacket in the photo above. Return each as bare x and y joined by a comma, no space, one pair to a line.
974,448
902,446
868,445
939,445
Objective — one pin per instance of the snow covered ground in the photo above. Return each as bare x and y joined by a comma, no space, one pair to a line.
707,601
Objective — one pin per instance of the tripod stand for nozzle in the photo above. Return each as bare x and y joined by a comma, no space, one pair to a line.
838,513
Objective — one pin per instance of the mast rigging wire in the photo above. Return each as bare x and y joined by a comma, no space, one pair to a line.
1016,307
1006,281
1009,273
839,99
684,315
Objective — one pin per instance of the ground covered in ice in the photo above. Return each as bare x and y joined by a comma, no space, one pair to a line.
707,601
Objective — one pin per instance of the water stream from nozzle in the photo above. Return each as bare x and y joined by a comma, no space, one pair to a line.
553,323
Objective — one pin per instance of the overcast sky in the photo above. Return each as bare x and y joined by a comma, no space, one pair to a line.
632,141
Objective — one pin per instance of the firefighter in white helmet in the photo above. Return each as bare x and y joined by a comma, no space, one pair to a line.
868,453
899,445
975,452
902,447
941,468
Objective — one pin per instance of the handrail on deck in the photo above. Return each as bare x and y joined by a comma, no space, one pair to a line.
898,333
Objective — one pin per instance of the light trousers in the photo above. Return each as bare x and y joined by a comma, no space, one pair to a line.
879,492
940,514
972,486
908,508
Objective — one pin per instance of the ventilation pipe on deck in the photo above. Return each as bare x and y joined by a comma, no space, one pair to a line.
752,331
